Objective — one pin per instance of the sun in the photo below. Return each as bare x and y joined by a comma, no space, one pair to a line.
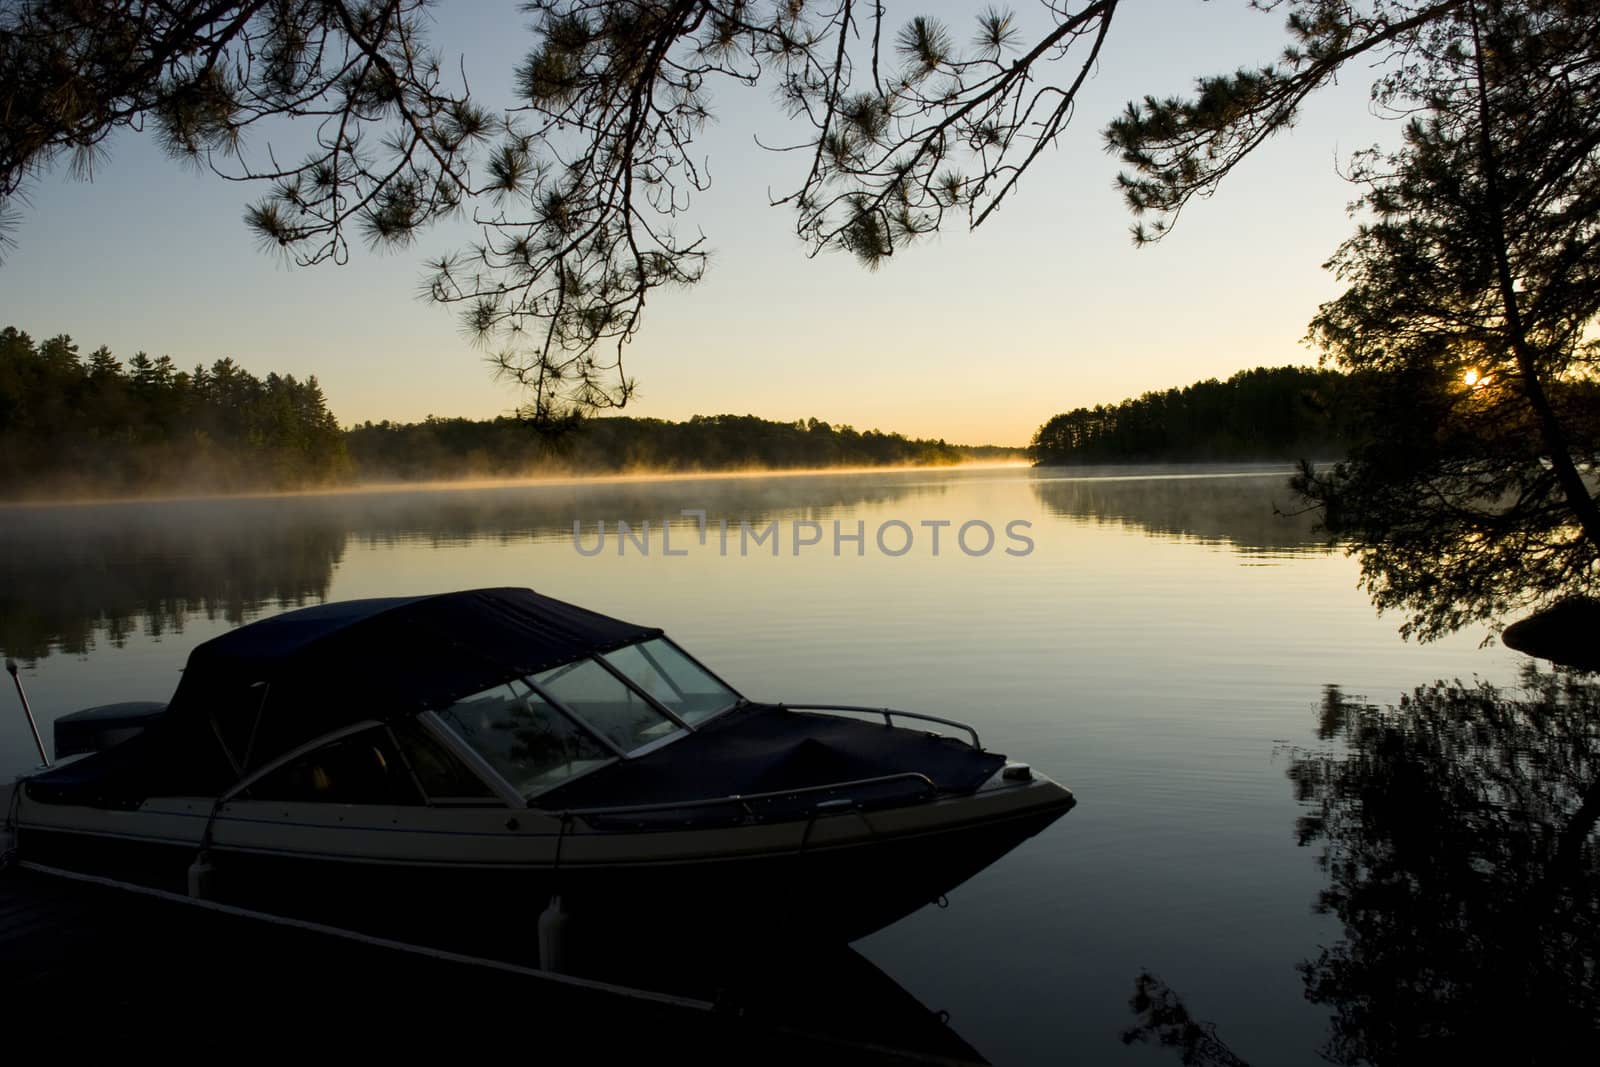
1471,378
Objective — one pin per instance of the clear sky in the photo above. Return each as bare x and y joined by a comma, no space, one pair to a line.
977,338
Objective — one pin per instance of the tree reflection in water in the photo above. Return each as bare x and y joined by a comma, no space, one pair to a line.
1457,831
1165,1020
72,575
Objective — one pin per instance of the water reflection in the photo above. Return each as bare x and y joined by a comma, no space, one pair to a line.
827,996
1165,1020
547,512
1457,831
70,576
1254,512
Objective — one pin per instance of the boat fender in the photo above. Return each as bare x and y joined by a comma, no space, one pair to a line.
554,923
8,846
201,876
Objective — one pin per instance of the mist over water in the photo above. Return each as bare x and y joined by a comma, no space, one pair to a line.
1164,649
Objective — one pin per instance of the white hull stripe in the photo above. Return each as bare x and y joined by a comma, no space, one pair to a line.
778,849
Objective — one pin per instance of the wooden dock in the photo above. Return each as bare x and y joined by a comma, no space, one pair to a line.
93,969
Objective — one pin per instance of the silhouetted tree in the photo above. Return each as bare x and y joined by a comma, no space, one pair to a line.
1473,294
388,146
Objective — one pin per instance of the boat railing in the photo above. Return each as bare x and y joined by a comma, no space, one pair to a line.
888,716
745,800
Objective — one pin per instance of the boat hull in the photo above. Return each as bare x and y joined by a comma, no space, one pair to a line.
620,891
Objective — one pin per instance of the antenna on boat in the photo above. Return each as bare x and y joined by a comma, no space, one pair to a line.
11,669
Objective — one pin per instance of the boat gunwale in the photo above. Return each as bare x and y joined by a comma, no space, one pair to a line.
1057,805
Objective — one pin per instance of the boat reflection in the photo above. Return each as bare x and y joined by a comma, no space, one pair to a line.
1457,832
827,995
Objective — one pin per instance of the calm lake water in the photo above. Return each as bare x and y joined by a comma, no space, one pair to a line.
1160,642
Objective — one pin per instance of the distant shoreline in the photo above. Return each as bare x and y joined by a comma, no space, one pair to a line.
78,428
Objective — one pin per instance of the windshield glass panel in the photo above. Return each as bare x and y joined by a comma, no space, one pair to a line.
673,679
530,743
606,703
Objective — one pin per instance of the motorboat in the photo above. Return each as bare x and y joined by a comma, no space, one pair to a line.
454,765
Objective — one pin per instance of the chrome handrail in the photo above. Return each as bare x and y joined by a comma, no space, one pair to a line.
742,799
887,714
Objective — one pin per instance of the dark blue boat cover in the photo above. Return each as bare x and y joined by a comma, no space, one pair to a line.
763,749
258,691
458,639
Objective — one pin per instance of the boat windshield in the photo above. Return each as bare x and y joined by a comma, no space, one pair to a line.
531,744
606,704
673,680
581,715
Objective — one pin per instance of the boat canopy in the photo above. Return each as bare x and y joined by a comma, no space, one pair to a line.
274,684
453,643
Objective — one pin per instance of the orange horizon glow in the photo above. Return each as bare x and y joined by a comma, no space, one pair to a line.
529,481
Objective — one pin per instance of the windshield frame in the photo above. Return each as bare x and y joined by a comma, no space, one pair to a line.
682,724
739,699
502,787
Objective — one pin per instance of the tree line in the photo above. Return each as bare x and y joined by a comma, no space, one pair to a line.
439,448
88,424
75,424
1268,413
